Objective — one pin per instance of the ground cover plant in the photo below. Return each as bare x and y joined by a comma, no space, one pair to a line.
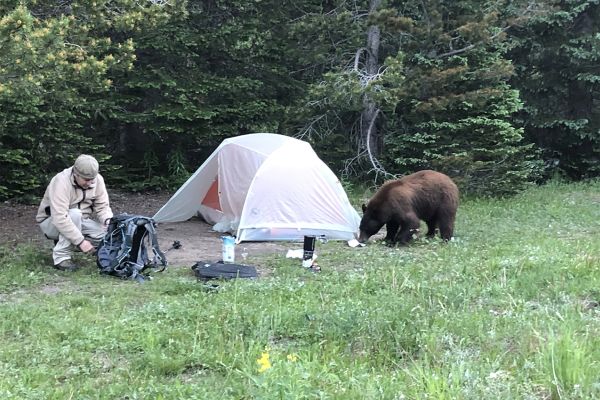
507,310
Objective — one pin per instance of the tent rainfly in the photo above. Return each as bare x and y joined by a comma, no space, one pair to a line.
264,187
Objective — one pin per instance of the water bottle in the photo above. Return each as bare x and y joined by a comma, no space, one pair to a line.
228,249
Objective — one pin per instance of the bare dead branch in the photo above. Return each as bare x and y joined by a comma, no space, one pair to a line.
357,57
377,167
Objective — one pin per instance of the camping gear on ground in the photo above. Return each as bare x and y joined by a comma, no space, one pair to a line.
124,251
263,187
308,251
176,245
309,263
228,249
355,243
244,253
206,270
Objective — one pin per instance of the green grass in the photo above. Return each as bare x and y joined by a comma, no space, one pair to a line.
508,310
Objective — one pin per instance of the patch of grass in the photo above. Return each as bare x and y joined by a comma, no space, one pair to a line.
509,309
565,358
20,267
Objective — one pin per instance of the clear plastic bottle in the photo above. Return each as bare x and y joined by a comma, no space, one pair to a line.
228,249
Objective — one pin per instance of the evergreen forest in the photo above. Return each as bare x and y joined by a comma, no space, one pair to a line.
498,94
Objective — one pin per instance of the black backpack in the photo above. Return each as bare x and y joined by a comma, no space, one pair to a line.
124,250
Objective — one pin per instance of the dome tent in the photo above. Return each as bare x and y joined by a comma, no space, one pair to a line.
264,187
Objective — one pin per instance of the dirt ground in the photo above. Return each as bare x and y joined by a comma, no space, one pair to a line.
198,240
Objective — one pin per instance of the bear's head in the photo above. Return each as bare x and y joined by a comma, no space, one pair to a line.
370,223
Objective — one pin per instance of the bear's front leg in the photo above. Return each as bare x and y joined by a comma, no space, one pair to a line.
409,226
392,230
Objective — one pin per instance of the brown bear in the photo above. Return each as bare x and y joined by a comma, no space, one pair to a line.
400,204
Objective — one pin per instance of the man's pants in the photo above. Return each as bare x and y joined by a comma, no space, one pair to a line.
91,230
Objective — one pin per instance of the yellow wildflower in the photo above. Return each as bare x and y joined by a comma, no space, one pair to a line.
292,357
264,362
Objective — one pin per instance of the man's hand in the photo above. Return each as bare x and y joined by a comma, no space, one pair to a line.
87,247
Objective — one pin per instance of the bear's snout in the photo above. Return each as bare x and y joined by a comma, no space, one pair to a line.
363,237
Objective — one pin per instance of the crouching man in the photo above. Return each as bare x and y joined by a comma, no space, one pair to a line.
75,211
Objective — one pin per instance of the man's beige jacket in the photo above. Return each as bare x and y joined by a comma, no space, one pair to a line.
63,193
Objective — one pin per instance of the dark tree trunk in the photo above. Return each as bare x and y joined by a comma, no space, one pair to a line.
369,132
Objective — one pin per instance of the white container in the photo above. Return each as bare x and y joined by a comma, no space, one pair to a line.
228,249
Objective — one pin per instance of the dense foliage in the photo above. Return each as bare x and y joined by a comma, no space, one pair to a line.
213,70
441,93
556,56
55,83
380,88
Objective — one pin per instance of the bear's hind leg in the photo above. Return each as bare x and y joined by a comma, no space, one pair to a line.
431,226
447,228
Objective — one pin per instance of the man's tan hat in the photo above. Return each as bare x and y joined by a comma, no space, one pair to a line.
86,166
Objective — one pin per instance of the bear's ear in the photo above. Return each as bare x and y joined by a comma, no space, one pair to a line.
364,207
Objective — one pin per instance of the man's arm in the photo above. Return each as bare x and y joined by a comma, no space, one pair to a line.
101,202
59,199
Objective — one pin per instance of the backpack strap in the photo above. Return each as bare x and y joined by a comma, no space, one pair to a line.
159,256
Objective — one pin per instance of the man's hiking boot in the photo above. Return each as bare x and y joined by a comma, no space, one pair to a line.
66,265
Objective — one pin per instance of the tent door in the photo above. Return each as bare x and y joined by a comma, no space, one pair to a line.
212,196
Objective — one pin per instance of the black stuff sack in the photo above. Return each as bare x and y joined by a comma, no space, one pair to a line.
206,271
130,248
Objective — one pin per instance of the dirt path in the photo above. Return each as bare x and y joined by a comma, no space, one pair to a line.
198,240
